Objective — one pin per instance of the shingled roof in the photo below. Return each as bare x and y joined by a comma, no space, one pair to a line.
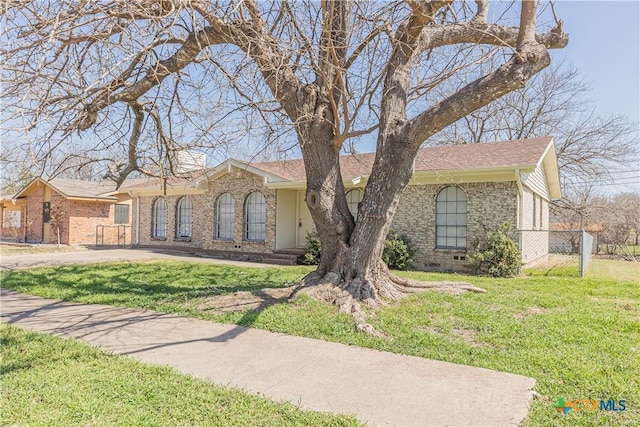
77,188
517,154
492,155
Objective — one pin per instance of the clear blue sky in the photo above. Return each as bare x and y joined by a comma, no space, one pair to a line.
604,45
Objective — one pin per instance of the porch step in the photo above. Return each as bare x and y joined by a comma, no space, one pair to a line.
283,257
279,261
290,251
276,255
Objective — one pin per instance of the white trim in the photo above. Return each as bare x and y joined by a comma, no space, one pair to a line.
138,220
520,199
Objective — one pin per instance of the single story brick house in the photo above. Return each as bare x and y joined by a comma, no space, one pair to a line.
91,213
258,211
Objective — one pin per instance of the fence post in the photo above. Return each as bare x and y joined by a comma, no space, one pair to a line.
581,253
586,247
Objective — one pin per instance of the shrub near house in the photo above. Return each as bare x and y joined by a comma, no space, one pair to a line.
397,251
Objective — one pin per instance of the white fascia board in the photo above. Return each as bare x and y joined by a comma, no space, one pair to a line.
501,174
228,165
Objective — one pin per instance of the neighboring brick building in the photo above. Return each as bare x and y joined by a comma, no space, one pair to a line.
12,212
87,213
253,210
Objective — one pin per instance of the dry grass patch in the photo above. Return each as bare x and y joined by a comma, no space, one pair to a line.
534,311
245,300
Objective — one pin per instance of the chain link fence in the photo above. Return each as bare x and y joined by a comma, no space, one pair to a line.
556,252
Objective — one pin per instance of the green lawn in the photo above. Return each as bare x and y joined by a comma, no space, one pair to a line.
603,269
49,381
579,338
625,250
557,265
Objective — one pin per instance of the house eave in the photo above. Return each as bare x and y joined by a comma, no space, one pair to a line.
500,174
301,185
168,192
549,161
14,202
92,199
228,165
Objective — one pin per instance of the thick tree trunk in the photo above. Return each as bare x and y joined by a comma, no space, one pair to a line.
351,270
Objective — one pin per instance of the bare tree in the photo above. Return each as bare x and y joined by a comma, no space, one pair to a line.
615,217
57,218
579,209
146,76
554,103
620,220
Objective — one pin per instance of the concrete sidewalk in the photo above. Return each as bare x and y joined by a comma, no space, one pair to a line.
379,388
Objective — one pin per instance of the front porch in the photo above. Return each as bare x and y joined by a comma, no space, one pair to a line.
293,220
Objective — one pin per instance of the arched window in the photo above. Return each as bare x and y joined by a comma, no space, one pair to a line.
354,197
223,225
184,218
451,218
159,219
255,217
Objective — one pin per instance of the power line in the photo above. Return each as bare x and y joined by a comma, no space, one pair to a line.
602,184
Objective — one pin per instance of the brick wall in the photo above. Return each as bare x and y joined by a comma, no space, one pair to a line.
239,184
199,227
83,219
488,204
80,220
8,229
34,215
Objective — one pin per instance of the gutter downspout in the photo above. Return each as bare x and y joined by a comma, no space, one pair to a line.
520,214
137,220
520,197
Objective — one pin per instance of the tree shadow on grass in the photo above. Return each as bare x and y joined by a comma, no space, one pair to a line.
146,287
142,283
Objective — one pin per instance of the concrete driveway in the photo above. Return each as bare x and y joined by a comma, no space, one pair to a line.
12,262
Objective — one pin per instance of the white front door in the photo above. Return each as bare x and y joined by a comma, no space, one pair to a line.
304,221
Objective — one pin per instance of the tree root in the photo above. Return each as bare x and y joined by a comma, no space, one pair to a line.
455,288
348,295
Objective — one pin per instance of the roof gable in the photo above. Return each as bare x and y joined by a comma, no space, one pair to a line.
71,188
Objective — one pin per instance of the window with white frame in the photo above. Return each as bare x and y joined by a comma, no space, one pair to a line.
255,217
451,218
11,219
224,217
354,197
184,218
159,219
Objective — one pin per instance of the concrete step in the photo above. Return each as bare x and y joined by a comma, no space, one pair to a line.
290,251
281,256
279,261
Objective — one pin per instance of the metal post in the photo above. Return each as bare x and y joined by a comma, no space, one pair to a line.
581,253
